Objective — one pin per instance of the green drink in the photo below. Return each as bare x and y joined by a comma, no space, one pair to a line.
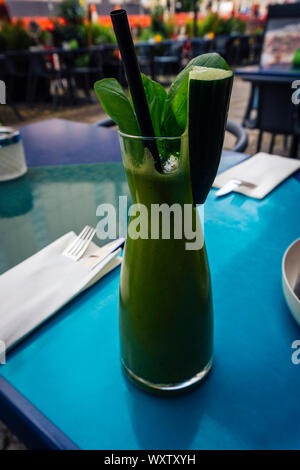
166,320
166,317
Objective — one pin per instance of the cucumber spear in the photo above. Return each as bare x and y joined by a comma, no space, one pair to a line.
208,103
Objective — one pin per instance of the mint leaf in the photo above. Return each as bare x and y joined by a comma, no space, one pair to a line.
116,104
175,111
156,96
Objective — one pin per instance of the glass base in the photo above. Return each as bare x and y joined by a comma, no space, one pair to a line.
168,388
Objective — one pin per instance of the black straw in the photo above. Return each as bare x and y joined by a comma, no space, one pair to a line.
122,31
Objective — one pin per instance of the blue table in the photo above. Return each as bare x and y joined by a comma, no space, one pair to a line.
62,142
276,72
63,387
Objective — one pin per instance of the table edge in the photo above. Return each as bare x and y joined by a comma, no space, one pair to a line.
264,74
28,423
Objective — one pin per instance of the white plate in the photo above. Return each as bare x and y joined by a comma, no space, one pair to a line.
290,272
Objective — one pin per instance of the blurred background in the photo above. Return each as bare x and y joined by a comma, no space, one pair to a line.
51,52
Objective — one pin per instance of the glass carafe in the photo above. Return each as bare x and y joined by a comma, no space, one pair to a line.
165,310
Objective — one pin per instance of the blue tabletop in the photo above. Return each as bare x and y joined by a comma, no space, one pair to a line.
279,72
62,142
69,369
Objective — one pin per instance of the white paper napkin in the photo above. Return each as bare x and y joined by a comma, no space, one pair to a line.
38,287
264,170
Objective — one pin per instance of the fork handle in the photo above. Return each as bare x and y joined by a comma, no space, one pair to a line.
228,188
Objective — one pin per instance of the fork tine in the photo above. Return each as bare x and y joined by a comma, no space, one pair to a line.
75,241
82,241
85,244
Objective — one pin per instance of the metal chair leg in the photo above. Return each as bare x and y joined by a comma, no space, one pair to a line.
249,105
70,91
87,88
17,112
73,90
29,87
33,90
294,147
272,143
55,96
260,135
10,100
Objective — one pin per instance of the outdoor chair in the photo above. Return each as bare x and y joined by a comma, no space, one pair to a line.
256,44
200,46
15,71
8,87
240,134
112,65
85,67
42,69
239,50
235,129
145,58
225,46
169,62
276,113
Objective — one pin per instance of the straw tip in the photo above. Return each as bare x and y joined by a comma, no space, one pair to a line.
120,11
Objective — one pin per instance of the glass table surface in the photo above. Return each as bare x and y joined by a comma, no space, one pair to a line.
51,201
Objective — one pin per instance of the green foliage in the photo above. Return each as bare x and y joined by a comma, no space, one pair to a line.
189,28
146,34
73,44
71,11
208,24
222,26
157,20
240,25
13,37
44,37
214,23
172,26
101,34
80,33
188,5
83,60
68,32
158,26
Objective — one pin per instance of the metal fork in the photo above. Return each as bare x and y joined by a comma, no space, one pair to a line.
78,247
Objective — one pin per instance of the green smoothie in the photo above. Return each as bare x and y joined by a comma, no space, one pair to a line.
166,321
166,315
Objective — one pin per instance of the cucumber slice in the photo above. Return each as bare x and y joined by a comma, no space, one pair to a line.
208,103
